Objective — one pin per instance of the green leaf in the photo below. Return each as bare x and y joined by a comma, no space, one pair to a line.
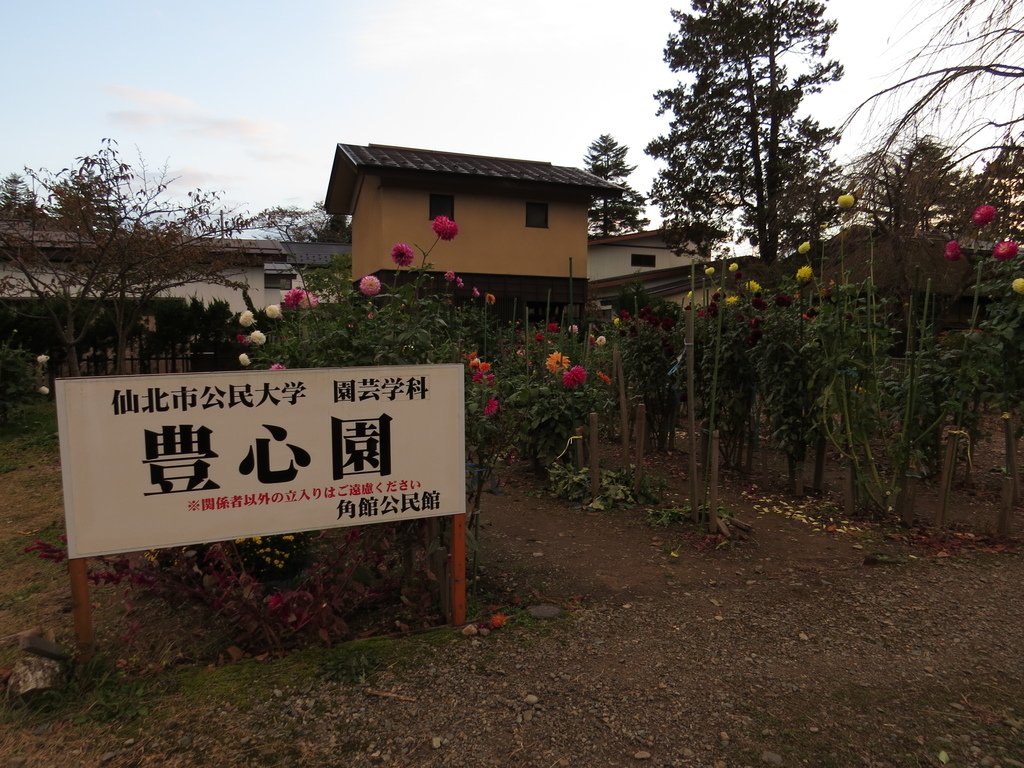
943,757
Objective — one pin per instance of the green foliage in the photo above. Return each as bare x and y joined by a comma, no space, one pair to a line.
332,282
617,486
18,379
652,345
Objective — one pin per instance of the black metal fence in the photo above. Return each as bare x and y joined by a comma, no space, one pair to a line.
103,362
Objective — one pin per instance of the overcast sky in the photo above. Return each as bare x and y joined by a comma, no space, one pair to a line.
250,98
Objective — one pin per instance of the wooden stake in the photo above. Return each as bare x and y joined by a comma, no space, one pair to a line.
620,376
81,609
1010,433
641,436
714,524
595,464
691,419
818,484
905,501
849,491
458,570
1005,508
946,481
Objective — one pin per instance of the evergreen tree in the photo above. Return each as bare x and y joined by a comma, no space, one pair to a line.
16,199
740,161
608,216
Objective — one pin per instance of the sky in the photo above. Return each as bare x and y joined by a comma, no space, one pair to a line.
250,99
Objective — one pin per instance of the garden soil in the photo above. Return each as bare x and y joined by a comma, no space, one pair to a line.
813,641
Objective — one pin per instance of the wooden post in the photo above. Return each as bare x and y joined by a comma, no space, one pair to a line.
1010,433
905,501
580,463
713,521
1005,508
691,419
641,437
81,609
595,464
818,484
458,570
849,490
946,481
620,376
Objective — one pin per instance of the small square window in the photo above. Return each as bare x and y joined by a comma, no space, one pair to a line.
537,215
641,260
442,205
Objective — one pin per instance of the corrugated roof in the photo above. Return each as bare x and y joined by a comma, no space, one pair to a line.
377,156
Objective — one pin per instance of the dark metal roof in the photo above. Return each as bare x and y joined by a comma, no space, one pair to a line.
404,158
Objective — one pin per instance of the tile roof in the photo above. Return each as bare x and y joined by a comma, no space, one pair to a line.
376,156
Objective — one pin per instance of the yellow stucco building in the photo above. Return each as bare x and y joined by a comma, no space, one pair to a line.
522,224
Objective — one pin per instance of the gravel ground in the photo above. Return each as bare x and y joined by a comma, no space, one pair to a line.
787,649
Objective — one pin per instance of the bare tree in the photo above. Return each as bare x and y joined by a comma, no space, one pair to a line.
967,82
107,235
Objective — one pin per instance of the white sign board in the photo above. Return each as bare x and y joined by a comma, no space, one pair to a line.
167,460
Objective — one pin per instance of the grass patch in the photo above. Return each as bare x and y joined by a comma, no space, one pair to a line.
30,437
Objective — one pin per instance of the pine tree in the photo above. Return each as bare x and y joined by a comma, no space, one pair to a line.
16,199
741,162
608,216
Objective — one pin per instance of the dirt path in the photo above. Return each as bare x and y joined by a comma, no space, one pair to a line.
786,649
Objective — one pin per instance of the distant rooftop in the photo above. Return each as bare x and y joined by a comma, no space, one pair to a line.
350,160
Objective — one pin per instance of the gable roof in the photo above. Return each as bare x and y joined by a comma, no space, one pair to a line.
352,161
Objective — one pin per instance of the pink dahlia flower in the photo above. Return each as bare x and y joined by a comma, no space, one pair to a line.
574,377
953,252
369,286
476,292
449,276
459,283
278,367
402,254
1005,250
983,214
297,298
445,228
492,407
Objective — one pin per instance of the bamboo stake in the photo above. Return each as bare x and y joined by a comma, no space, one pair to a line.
595,464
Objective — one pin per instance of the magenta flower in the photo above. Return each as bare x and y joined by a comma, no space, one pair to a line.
402,254
953,252
449,275
983,214
476,292
278,367
459,283
1005,250
574,377
297,298
445,228
369,286
478,377
492,407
